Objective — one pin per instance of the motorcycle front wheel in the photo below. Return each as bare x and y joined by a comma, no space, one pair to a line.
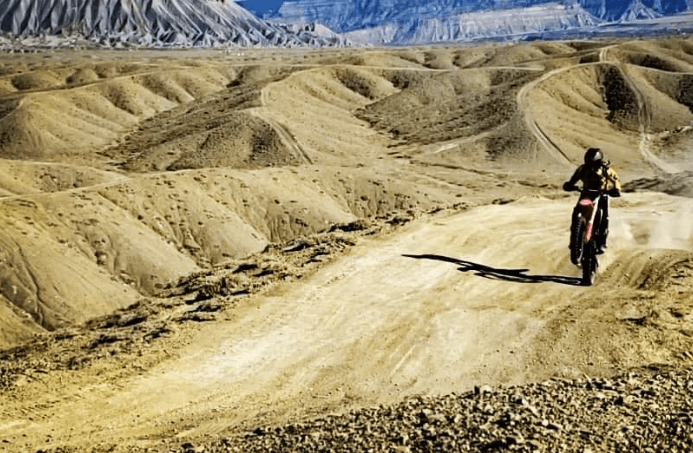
577,229
589,263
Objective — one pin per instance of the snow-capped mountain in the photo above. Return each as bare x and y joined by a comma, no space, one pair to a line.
420,21
153,23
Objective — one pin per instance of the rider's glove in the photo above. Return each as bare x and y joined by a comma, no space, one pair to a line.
568,187
615,193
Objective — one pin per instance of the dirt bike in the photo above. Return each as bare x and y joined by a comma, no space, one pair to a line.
587,233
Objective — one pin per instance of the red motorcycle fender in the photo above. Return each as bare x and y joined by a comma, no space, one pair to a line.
585,208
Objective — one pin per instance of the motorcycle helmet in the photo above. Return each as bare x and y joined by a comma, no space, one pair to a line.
594,157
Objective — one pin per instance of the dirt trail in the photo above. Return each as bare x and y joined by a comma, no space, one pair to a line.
438,307
530,120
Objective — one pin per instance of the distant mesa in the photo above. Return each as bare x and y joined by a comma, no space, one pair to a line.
164,23
349,15
315,23
424,21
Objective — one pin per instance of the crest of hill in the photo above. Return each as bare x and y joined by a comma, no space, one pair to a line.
169,23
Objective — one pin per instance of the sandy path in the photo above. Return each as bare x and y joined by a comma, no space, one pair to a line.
436,308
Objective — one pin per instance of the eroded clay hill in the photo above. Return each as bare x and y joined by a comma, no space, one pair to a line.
122,173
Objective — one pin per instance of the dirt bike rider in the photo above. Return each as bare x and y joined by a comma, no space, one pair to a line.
596,174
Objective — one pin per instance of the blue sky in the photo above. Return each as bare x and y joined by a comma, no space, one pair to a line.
260,7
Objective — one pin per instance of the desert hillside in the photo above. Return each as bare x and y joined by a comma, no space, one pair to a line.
347,227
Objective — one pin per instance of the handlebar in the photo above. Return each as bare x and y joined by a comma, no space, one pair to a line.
610,192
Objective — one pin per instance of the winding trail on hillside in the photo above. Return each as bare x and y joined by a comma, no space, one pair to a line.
522,103
644,114
645,119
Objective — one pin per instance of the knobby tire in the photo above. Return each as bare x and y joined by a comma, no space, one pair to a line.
589,263
576,239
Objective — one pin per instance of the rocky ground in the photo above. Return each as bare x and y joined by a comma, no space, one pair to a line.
645,411
649,410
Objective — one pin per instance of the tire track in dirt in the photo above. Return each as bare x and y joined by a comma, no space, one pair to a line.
522,103
284,135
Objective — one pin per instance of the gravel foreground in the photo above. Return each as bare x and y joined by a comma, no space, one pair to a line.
643,412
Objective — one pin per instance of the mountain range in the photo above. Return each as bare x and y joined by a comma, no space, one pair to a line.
348,15
158,23
212,23
405,22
